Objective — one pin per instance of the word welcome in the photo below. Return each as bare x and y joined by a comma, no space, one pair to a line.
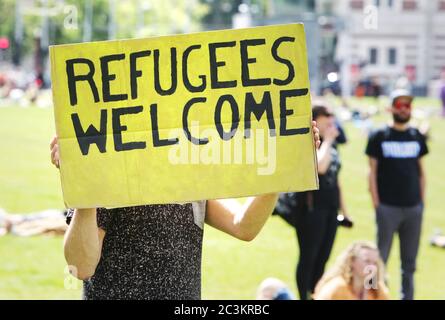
98,136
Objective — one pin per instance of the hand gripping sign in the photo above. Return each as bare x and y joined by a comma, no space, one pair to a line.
183,118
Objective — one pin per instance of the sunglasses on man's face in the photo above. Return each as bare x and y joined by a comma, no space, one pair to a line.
400,104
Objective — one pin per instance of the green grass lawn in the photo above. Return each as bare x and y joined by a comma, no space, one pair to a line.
34,268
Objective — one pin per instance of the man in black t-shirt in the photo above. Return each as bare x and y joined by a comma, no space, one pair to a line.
397,186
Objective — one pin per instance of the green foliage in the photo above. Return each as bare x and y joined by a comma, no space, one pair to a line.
67,20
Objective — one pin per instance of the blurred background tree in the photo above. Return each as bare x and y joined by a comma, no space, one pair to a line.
32,25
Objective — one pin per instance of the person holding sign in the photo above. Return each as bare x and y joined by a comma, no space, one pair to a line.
147,127
153,251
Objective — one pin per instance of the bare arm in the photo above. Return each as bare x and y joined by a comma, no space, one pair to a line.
83,243
422,181
242,222
83,239
372,179
245,222
324,157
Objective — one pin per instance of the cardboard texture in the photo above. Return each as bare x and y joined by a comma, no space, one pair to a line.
182,118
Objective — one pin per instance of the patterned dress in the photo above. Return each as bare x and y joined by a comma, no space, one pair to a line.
149,252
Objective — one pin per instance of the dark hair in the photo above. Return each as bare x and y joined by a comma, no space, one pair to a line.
321,110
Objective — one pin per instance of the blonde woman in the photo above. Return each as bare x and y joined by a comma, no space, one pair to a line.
357,275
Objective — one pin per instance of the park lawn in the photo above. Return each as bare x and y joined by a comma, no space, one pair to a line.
34,268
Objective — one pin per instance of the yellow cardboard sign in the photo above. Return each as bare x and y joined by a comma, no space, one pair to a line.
183,118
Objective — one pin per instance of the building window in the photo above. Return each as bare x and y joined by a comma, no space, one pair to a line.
390,3
356,4
392,56
409,5
373,56
377,3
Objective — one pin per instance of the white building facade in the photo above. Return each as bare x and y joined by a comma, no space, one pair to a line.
387,39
